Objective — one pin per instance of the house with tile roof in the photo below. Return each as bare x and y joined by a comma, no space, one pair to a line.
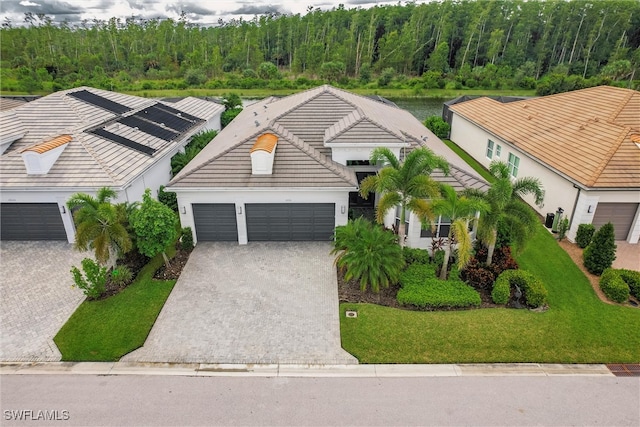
584,146
80,140
289,169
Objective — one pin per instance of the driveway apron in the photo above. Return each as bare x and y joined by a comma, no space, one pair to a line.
36,298
259,303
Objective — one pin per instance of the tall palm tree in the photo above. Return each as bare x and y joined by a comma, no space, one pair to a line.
461,210
507,208
100,225
405,184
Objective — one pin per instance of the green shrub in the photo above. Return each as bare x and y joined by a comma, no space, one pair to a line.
501,289
435,293
187,239
563,227
121,275
168,198
228,116
584,234
613,286
601,252
94,279
438,126
535,294
632,279
415,255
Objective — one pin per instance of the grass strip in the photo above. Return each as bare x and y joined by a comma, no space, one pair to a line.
106,330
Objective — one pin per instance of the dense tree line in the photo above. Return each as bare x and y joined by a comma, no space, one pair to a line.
453,43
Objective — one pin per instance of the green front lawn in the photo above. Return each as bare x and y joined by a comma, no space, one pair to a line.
577,328
106,330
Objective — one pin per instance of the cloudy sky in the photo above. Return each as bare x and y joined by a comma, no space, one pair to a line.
203,12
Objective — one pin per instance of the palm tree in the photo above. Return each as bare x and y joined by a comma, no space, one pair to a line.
507,208
405,184
100,225
461,210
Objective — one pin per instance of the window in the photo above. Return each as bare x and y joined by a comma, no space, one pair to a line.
442,227
514,163
489,149
358,163
498,150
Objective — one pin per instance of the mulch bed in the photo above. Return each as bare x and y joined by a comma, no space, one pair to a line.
136,263
349,291
176,263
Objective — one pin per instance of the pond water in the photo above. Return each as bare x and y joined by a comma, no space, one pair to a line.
421,108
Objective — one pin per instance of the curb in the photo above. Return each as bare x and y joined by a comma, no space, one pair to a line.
290,370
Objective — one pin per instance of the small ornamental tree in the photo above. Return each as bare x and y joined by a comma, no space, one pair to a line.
601,252
155,225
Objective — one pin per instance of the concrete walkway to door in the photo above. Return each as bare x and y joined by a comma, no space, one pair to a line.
260,303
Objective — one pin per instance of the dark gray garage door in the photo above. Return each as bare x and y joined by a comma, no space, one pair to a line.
215,222
619,214
290,221
31,221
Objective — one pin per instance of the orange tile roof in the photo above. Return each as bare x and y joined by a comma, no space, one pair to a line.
585,134
265,142
56,142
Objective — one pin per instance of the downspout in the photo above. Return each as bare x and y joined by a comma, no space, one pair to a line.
575,205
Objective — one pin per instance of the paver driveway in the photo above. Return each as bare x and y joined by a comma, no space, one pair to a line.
259,303
36,298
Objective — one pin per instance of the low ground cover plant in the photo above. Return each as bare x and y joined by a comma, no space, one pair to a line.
422,289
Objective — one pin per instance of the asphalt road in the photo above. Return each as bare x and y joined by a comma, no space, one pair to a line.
183,401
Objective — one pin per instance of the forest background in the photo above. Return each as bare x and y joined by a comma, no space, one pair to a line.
542,46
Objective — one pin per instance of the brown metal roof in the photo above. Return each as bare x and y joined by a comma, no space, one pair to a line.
584,134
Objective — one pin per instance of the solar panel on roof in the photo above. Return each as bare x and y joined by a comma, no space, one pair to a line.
179,113
123,141
148,127
172,121
99,101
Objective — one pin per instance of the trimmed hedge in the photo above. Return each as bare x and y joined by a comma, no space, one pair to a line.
535,294
613,286
632,279
584,234
501,290
422,289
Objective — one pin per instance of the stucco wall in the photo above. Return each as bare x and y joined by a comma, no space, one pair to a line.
559,190
241,197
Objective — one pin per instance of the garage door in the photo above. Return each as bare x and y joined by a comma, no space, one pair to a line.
31,221
215,222
290,221
619,214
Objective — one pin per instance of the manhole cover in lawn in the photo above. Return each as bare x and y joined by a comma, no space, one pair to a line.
625,370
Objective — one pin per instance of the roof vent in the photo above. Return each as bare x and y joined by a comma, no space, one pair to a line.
262,154
257,123
40,158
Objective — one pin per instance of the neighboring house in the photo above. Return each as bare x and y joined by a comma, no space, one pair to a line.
288,169
82,139
584,146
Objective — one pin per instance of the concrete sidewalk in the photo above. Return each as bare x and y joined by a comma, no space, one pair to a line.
286,370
